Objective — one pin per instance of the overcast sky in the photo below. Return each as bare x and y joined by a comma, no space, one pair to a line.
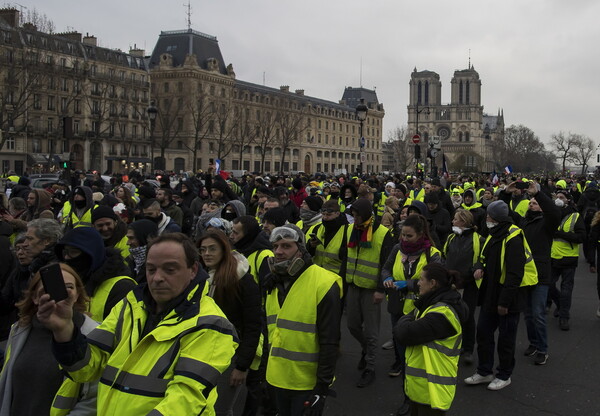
537,59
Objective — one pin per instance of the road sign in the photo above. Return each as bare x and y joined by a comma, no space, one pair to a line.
435,140
363,158
433,152
416,139
362,142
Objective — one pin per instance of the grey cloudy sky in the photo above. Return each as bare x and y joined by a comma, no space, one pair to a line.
537,59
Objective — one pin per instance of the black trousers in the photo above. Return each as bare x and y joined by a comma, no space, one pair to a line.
507,326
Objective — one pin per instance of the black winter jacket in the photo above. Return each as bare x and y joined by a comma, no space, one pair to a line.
577,236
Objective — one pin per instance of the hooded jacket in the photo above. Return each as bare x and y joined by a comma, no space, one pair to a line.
255,240
41,209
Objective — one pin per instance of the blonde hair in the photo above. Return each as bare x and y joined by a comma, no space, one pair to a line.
466,217
27,309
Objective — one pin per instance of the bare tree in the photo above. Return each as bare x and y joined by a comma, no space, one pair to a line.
521,149
290,126
225,124
564,146
170,123
402,148
584,147
266,134
39,19
200,112
244,134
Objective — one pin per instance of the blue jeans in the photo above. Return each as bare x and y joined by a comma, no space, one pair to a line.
507,326
562,297
535,317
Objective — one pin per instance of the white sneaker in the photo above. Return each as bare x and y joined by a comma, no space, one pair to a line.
479,379
498,384
388,345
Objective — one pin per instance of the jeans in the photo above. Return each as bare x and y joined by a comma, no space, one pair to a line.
535,317
562,297
364,318
290,402
507,336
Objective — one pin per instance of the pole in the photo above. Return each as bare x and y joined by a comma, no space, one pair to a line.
151,146
360,163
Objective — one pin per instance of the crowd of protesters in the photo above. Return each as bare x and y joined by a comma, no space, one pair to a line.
229,292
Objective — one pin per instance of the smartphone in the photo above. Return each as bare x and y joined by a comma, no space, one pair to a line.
522,185
54,284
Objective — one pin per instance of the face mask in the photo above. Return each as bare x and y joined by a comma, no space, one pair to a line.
334,195
286,267
307,214
559,203
155,220
457,230
490,224
79,203
81,264
229,216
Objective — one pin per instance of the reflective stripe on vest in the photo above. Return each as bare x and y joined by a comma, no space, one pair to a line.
472,206
530,276
255,259
363,263
476,245
66,398
398,274
563,248
100,296
432,368
420,196
521,207
294,349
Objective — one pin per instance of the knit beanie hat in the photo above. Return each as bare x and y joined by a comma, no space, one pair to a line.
363,207
297,183
498,211
144,230
103,211
147,192
275,216
314,203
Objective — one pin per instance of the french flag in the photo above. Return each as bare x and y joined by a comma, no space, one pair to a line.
508,169
217,166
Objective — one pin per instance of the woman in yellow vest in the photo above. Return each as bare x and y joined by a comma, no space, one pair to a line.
461,253
401,272
234,290
31,377
432,333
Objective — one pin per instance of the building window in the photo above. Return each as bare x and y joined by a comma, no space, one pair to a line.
419,93
460,136
10,143
64,104
134,130
426,92
64,86
166,87
77,106
460,93
37,102
36,146
468,93
50,125
76,127
467,136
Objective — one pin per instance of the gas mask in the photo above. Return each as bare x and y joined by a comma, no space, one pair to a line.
286,267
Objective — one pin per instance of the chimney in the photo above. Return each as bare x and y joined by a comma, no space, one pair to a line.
11,16
300,92
90,40
284,88
72,36
30,26
135,51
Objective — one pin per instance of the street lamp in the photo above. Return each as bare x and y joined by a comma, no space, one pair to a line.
361,115
417,146
152,112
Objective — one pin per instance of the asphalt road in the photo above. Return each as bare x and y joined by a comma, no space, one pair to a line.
569,384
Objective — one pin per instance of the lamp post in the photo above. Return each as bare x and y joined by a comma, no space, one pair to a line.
152,112
417,146
361,115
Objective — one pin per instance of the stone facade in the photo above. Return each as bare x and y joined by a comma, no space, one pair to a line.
63,98
468,135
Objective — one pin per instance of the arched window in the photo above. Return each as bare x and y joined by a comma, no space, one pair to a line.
326,154
460,92
319,154
468,93
467,136
460,136
426,92
419,93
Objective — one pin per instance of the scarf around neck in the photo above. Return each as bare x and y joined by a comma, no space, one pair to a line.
362,235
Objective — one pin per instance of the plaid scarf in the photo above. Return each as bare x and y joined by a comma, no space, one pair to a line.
362,235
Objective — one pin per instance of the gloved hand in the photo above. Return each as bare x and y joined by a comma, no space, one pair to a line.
314,405
400,284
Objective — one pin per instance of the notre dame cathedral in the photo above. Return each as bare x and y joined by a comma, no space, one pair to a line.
468,136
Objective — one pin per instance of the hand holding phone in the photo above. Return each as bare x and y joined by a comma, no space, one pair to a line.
53,282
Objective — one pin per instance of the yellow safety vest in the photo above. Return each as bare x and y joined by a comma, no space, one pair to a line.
420,196
521,207
255,260
100,296
381,205
473,206
530,276
432,368
172,370
363,263
328,256
294,343
123,247
398,274
69,216
563,248
300,224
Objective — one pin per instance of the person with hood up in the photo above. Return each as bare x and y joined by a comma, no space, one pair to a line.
38,206
248,240
138,234
292,212
432,333
298,193
443,196
505,270
103,270
77,211
211,209
151,210
21,189
439,216
456,197
418,207
273,218
111,228
310,213
220,190
487,198
565,257
237,294
233,209
476,208
348,195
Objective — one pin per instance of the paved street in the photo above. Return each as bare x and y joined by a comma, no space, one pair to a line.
569,384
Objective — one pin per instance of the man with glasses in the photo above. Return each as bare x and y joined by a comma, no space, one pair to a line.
303,309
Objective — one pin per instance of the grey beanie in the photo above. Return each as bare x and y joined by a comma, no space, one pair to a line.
498,211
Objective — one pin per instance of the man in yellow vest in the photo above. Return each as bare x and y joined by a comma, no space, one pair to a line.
369,245
565,257
505,271
303,309
77,211
161,350
111,228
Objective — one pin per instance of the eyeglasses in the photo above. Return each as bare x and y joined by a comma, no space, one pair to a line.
71,252
284,233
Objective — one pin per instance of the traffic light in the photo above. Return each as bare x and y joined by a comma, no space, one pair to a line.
66,164
417,152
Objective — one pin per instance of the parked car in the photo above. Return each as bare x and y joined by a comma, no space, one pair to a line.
43,180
